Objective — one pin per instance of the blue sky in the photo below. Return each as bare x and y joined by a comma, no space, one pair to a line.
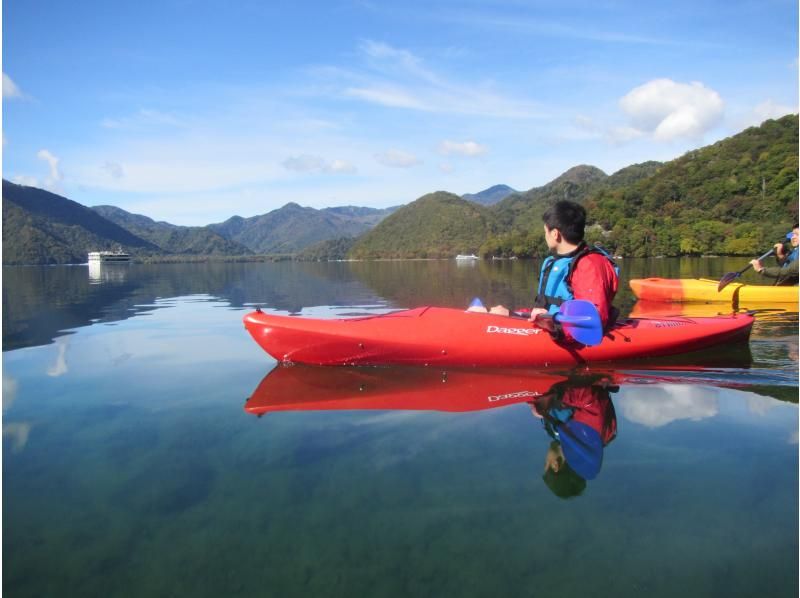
194,111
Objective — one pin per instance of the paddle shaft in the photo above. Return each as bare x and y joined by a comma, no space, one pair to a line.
731,276
763,257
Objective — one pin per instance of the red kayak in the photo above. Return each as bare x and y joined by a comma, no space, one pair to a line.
451,337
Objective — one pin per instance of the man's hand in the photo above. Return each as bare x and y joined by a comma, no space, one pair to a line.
778,251
536,311
757,265
546,322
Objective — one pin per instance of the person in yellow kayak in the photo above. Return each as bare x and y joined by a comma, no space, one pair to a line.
786,272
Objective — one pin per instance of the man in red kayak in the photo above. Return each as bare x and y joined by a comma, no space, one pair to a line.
575,270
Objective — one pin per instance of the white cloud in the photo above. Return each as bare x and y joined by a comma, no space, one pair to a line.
387,96
18,433
397,78
764,111
9,390
463,148
656,406
668,110
53,180
114,169
341,167
305,163
26,180
403,59
144,117
10,89
59,367
395,158
316,165
622,134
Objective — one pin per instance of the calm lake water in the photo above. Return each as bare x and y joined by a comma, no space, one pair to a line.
134,463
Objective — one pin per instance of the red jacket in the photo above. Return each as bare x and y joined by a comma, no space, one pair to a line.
593,407
595,280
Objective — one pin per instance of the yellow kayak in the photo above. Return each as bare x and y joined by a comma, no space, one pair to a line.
687,290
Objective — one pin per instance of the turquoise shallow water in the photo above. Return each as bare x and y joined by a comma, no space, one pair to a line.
131,466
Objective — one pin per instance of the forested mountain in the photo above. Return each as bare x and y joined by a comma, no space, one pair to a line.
439,224
324,251
490,196
292,228
632,174
520,215
171,238
40,227
737,196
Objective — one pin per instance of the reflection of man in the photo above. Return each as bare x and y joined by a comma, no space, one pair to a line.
580,418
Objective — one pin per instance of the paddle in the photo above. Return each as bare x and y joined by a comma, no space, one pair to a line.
731,276
579,318
583,448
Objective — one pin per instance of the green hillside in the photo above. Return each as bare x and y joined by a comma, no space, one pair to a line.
325,251
40,227
738,196
519,216
436,225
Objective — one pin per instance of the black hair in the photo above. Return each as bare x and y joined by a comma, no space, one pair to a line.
565,483
568,217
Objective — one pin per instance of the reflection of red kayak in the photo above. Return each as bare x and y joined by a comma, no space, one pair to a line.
304,388
451,337
313,388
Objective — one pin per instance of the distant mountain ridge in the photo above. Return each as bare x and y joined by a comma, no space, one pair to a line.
292,228
490,196
40,227
171,238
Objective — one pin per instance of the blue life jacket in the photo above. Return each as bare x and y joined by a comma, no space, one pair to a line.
555,278
790,258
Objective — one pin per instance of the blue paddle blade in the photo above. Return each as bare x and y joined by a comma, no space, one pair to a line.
789,236
581,321
583,448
